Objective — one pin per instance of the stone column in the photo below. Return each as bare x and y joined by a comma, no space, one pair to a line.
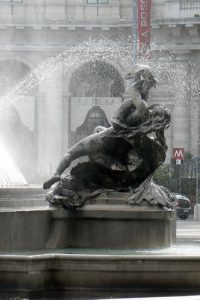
182,111
115,10
78,13
195,107
50,125
66,121
40,132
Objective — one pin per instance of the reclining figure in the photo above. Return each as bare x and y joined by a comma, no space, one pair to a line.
120,158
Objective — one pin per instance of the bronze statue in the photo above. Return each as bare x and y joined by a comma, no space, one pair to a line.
120,158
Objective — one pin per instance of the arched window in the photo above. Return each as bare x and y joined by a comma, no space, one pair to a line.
96,79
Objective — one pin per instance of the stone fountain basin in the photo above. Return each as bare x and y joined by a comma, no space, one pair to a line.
96,274
104,222
22,196
44,249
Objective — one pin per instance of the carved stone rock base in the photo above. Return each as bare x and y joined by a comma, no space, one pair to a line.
113,225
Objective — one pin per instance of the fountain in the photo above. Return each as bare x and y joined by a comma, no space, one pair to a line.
10,174
120,168
98,243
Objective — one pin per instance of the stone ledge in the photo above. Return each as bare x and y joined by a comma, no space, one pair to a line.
24,228
25,196
98,273
116,211
112,226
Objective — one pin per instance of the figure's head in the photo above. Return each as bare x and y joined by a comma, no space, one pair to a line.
143,79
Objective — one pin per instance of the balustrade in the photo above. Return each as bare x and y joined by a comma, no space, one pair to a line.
189,4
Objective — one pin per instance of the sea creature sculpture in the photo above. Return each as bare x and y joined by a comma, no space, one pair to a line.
120,158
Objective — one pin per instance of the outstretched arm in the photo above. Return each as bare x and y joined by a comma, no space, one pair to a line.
64,164
77,151
90,144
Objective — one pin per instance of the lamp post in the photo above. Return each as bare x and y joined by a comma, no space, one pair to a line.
134,29
197,165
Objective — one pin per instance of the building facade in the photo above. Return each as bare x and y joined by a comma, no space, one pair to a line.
62,64
176,28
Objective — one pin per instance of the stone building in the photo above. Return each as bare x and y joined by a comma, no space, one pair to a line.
62,64
175,28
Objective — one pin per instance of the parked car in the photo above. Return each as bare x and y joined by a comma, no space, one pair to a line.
183,206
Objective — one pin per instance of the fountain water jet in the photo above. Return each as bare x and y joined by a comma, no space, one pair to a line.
10,175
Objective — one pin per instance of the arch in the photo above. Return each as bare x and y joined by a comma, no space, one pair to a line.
18,124
11,73
96,79
19,59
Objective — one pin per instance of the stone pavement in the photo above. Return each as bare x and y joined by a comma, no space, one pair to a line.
197,297
188,230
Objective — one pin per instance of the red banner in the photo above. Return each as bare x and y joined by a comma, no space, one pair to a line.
144,16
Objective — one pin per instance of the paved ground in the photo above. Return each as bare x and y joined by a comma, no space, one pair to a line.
166,298
188,229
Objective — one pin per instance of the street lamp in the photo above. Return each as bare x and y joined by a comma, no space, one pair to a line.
197,165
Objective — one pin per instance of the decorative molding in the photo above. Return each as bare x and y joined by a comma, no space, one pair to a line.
88,28
78,24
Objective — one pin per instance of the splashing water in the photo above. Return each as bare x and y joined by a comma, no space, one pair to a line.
74,56
71,59
104,49
10,175
118,52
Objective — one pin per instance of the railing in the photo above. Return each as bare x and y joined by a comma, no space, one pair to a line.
189,4
44,12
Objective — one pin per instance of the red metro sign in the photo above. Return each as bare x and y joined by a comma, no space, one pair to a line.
178,153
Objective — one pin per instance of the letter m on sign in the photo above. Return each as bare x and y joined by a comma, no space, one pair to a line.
178,153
